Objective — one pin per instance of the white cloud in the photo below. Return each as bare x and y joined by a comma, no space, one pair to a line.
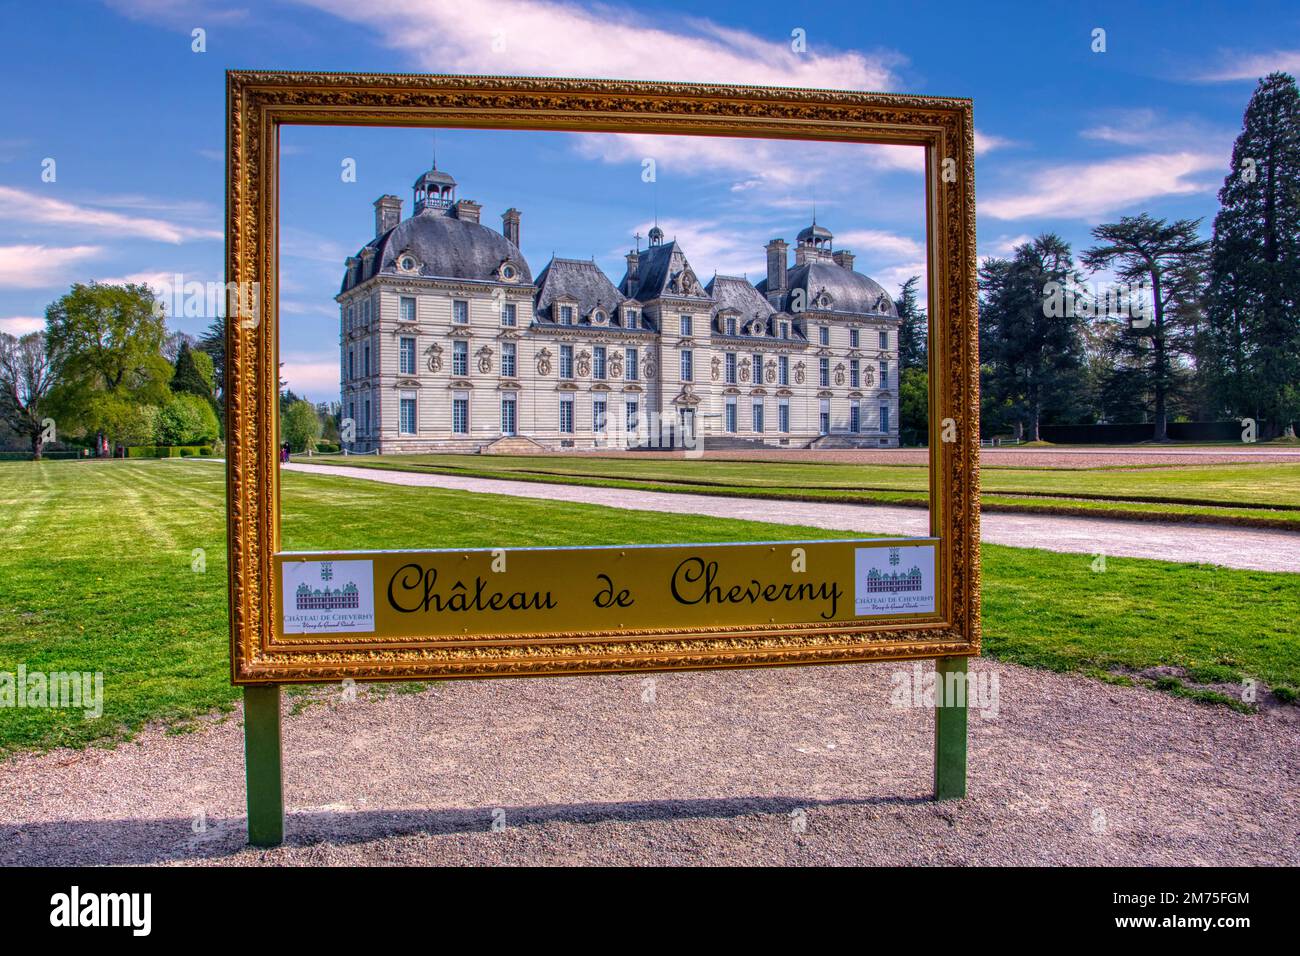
987,142
886,245
40,267
21,324
312,373
178,14
548,37
28,208
1085,190
155,280
1252,66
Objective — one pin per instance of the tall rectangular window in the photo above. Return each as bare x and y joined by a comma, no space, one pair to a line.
460,413
352,365
758,368
783,415
367,416
731,414
731,325
508,407
853,338
633,416
365,364
566,414
758,415
731,368
824,372
687,325
406,413
406,355
884,418
824,333
855,416
566,315
632,369
508,317
566,361
630,318
352,316
508,356
824,416
460,311
598,362
785,330
783,370
406,308
688,366
460,357
884,339
855,374
884,375
598,407
365,312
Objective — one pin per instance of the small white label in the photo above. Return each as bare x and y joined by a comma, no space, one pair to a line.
328,597
898,579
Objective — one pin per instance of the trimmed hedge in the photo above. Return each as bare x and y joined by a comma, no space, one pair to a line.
169,451
326,448
27,456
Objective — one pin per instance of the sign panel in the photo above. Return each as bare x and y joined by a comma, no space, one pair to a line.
449,595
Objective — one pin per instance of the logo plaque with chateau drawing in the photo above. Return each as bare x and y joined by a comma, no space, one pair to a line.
894,580
329,597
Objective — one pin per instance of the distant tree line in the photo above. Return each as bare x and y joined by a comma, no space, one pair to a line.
1189,329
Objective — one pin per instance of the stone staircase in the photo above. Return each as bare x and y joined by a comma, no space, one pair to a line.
513,445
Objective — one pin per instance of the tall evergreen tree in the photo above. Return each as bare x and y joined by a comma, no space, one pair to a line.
1252,356
1031,353
1168,258
188,378
913,345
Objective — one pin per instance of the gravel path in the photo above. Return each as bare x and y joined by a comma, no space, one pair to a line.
719,767
1251,548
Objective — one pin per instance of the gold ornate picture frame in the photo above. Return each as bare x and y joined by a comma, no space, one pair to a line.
260,103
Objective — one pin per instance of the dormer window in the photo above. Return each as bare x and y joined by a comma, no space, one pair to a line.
785,330
731,325
599,317
566,315
508,271
630,318
406,263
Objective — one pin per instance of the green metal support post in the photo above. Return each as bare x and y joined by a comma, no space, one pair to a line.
950,729
262,765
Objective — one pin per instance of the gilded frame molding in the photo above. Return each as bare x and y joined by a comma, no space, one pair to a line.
259,103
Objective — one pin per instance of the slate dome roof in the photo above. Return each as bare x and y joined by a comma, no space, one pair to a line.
849,291
445,248
813,232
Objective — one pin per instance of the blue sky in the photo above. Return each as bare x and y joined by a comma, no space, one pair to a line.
134,121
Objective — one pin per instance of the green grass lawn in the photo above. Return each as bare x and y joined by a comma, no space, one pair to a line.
98,573
1264,493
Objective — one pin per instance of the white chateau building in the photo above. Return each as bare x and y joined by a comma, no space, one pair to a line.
450,343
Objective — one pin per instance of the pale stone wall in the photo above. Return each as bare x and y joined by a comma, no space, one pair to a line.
538,387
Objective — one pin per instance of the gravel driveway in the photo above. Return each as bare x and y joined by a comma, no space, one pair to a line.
1258,549
719,767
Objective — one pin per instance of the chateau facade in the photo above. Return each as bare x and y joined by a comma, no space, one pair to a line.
450,343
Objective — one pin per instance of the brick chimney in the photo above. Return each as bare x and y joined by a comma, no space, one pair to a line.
510,225
467,210
844,259
388,213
